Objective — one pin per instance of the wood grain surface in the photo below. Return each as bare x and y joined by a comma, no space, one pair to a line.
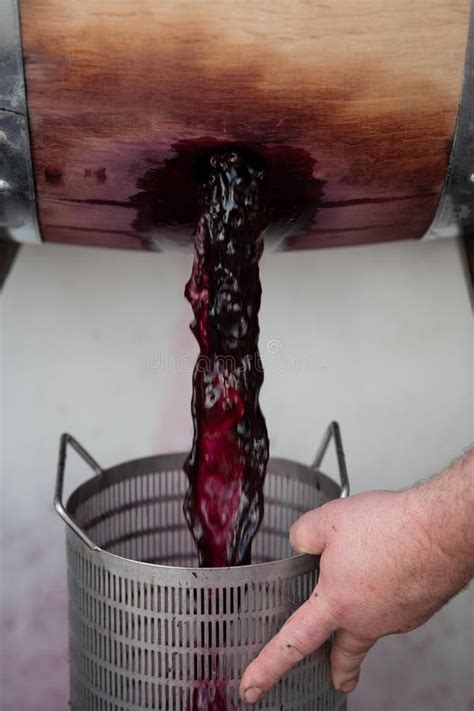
122,93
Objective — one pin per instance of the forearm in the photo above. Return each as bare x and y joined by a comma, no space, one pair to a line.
443,510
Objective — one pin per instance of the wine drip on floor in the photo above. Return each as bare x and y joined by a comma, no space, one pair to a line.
226,467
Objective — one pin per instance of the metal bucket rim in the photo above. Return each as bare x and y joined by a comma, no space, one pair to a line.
181,576
174,460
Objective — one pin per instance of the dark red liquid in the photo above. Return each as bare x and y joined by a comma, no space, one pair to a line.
170,193
227,464
209,698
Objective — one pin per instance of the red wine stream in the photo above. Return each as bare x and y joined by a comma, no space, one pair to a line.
226,467
227,464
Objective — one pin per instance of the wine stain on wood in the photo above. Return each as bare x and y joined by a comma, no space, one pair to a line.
367,147
53,175
171,194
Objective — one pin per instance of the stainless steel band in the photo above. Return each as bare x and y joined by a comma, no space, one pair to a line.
456,204
18,217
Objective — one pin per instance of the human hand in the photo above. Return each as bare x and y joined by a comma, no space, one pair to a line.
382,571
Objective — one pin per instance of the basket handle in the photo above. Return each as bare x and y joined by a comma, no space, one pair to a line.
67,439
333,432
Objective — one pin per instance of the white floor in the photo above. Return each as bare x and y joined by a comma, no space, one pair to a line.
96,343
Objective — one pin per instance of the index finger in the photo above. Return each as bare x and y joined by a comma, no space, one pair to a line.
306,630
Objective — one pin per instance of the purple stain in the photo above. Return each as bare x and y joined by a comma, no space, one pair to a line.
420,647
210,696
53,175
171,192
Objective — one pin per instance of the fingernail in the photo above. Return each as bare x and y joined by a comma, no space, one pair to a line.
252,695
349,686
301,549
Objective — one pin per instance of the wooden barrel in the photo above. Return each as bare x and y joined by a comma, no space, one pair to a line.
352,106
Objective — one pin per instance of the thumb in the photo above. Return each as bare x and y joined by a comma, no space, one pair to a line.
309,533
347,654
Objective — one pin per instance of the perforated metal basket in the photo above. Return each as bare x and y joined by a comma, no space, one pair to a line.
151,630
